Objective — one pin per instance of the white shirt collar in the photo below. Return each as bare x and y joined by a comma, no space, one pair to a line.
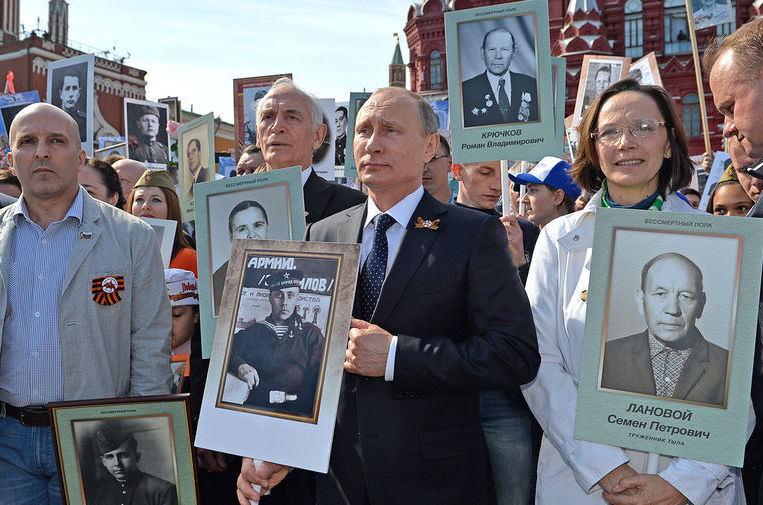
305,174
401,212
493,79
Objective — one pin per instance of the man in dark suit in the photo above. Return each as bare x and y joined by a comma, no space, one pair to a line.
499,96
670,358
439,314
289,128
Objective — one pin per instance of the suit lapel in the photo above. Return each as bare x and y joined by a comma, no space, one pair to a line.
7,228
315,197
82,246
693,371
350,230
640,365
416,242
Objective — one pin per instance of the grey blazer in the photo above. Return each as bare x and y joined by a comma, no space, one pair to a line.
121,349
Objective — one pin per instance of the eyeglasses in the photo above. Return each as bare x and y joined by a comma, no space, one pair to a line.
437,157
641,129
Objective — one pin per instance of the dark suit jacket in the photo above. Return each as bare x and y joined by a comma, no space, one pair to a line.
476,89
324,198
628,367
463,323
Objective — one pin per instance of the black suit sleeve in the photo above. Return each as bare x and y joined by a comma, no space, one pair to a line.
501,348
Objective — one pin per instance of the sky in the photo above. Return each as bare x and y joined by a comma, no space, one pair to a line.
194,49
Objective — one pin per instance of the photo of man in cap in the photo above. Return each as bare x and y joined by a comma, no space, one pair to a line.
126,483
280,358
144,138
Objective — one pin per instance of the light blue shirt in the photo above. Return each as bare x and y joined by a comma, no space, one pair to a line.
30,354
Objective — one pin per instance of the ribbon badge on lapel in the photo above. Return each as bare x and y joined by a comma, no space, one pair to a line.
106,289
426,223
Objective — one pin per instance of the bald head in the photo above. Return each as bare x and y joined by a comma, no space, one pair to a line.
38,109
129,172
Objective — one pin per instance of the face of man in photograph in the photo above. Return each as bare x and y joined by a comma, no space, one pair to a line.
672,299
602,79
498,52
148,125
121,462
249,223
340,122
282,302
70,92
194,156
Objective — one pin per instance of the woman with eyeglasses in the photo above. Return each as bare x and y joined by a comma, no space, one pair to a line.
632,155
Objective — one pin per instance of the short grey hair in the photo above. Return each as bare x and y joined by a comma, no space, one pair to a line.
313,105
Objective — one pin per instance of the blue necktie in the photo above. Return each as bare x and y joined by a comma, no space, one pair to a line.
374,269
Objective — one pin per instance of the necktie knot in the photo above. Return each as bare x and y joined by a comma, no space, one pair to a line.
383,222
501,82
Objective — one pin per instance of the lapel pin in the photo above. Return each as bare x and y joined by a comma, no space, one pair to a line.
85,234
428,224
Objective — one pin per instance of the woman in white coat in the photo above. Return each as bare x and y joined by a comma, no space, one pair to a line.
632,154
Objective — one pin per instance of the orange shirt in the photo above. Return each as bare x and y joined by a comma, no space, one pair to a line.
185,259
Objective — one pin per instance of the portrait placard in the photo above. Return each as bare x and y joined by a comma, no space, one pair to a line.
707,13
341,119
672,308
146,132
266,205
277,360
323,157
356,102
165,236
596,74
10,105
119,149
70,87
498,56
175,112
247,92
559,88
645,70
572,138
721,160
196,152
154,430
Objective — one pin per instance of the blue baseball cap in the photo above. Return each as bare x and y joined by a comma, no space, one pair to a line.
553,172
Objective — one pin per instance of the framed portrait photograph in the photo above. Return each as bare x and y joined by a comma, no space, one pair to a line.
175,112
672,307
196,154
165,236
247,93
596,74
571,138
645,70
707,13
268,205
277,360
138,449
70,87
323,157
356,102
146,132
10,105
498,60
341,119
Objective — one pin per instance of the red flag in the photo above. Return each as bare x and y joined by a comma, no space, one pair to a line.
9,83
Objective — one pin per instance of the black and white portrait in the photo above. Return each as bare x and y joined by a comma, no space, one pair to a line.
9,113
341,116
596,74
127,460
146,131
646,71
195,159
260,213
252,97
669,319
324,159
710,13
276,354
70,87
573,140
498,69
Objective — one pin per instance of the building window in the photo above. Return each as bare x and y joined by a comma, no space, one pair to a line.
435,70
691,116
729,28
634,29
677,39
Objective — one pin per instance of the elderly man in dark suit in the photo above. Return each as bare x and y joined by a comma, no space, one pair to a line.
499,96
670,358
440,314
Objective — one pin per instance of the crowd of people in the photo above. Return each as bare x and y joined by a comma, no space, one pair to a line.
464,353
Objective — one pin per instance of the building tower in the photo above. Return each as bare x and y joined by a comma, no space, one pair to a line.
58,21
9,21
397,67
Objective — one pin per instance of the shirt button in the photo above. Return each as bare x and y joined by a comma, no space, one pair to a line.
44,241
667,379
37,314
35,354
576,238
39,276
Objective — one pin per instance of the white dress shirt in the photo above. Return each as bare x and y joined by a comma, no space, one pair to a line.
305,174
493,80
401,212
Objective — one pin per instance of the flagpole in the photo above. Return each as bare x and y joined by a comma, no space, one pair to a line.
698,75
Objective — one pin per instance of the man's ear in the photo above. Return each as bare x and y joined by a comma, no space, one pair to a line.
457,167
320,134
701,299
640,302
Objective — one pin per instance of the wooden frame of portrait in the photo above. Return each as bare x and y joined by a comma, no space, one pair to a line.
584,96
293,427
240,87
175,112
705,415
279,192
119,148
203,129
130,106
84,62
647,62
161,425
